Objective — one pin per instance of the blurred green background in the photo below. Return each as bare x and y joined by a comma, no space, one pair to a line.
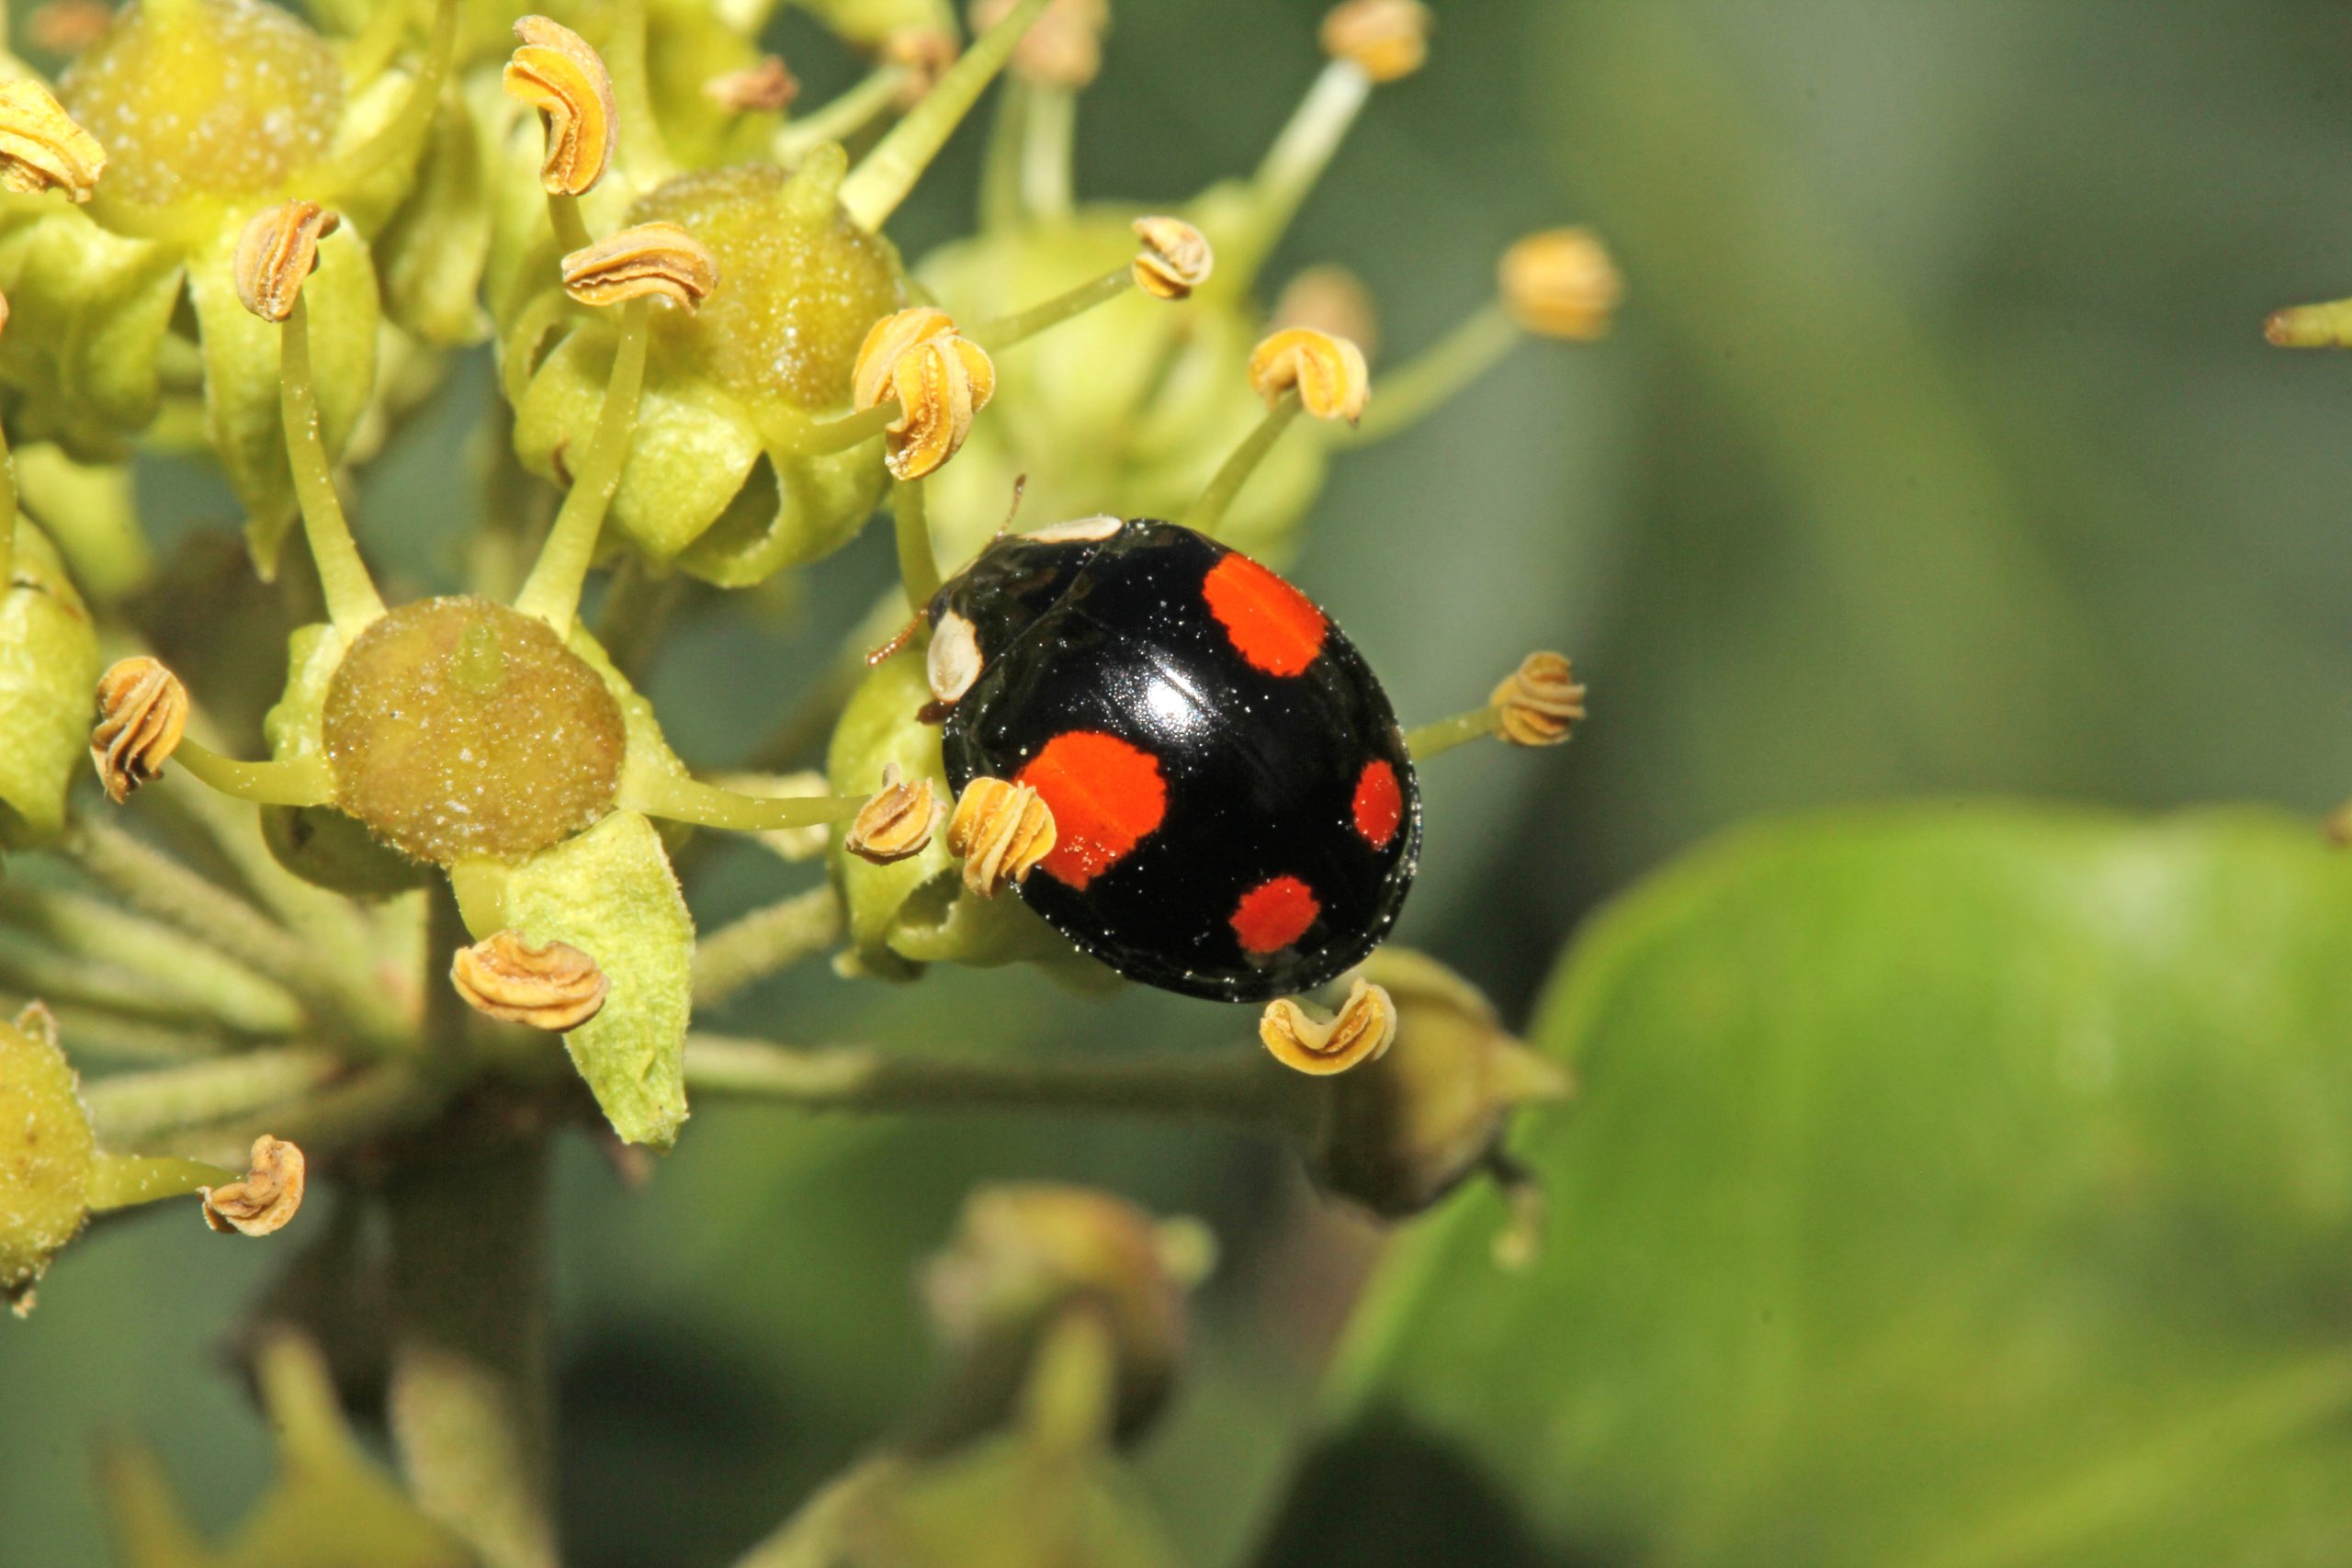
1936,454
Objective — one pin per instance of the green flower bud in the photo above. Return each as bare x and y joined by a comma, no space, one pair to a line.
916,911
715,478
47,1154
1026,1256
195,98
458,728
105,306
1400,1133
49,669
1130,407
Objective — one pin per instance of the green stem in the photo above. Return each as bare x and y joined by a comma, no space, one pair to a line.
1006,331
816,438
570,228
1047,131
764,942
637,607
681,799
121,1181
1400,398
553,591
107,1031
369,1103
640,133
887,176
918,563
8,518
293,781
337,925
1294,163
351,600
131,1108
1001,160
470,1397
1428,740
1209,511
176,975
843,117
447,1017
161,887
1243,1089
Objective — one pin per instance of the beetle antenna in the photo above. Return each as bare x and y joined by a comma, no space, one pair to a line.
906,635
1020,484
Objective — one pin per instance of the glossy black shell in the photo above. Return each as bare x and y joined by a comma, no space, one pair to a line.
1116,635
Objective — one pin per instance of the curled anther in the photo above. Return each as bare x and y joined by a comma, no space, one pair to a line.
1359,1032
1062,49
553,987
269,1195
1539,703
555,72
1386,39
1001,831
1328,373
647,259
759,89
1561,283
142,713
42,148
941,378
1175,259
897,821
276,253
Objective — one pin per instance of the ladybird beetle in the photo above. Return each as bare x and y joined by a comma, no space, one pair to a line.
1237,815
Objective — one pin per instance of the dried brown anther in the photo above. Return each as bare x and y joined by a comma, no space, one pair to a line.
924,52
1561,283
647,259
898,822
1001,831
1334,302
1063,47
555,72
762,88
1330,374
267,1197
142,713
941,378
1539,703
1175,260
275,254
556,987
1384,38
68,27
1362,1029
42,148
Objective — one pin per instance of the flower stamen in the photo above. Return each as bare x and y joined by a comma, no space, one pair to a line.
554,987
1001,830
1359,1032
41,147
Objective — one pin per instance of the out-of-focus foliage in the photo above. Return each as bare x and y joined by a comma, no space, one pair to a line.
1950,1188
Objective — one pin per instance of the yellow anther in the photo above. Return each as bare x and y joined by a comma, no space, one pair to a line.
1359,1032
941,379
42,148
1175,260
897,823
269,1195
275,253
1328,372
555,72
1384,38
1001,831
555,988
142,713
659,259
1539,703
1561,283
755,89
1062,49
3,312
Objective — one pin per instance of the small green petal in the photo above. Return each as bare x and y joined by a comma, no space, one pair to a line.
105,306
430,257
48,674
46,1155
609,893
91,515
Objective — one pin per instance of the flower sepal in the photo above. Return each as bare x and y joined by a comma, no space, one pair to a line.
49,667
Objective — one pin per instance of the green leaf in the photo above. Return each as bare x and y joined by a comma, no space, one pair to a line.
1951,1190
48,674
610,893
241,375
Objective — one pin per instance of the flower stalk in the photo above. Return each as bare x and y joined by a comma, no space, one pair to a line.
353,603
553,591
1206,513
888,174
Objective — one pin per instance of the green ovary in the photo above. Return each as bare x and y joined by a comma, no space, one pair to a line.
205,98
459,728
799,285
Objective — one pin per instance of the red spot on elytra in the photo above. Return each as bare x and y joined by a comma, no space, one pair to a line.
1274,914
1106,797
1273,626
1379,805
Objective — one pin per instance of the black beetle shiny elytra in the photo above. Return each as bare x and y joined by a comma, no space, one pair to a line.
1236,814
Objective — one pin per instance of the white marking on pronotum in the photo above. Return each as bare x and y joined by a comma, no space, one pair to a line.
1083,531
954,662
